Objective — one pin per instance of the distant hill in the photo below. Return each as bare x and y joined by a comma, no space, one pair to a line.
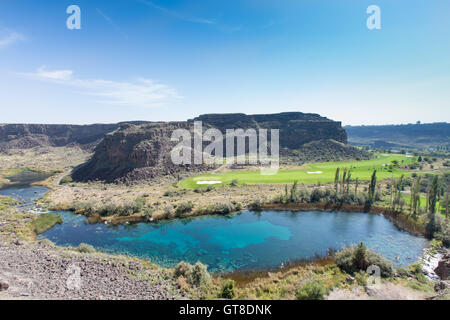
415,136
25,136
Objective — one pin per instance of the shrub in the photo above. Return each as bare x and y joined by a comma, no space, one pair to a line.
313,290
352,260
228,289
148,212
184,207
384,264
182,284
317,195
223,208
196,275
168,211
360,257
139,203
183,269
45,243
361,278
256,205
66,179
199,275
85,248
108,210
439,228
85,208
402,272
234,183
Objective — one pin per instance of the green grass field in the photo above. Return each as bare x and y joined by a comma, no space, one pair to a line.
423,203
359,169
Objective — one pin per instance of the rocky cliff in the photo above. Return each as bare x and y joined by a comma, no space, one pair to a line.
135,152
142,151
296,128
24,136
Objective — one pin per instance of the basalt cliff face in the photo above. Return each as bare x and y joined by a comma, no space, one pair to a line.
142,151
135,152
296,128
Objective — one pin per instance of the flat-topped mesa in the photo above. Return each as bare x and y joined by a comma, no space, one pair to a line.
142,151
296,128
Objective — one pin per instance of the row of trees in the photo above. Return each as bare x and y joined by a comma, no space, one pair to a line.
342,185
434,195
340,194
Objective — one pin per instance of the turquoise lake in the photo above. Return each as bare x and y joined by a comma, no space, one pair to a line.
249,240
244,241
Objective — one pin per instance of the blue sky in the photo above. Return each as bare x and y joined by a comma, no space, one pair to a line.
173,60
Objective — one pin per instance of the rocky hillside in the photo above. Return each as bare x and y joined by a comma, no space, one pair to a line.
142,151
407,136
25,136
135,152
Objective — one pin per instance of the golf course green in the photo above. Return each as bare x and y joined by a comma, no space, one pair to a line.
322,172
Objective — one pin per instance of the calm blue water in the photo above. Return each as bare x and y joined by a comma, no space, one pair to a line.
244,241
249,240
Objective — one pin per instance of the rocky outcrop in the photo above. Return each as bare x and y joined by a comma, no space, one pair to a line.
135,152
296,128
142,151
4,285
443,268
24,136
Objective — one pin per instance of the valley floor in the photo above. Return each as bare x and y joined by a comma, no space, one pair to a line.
40,270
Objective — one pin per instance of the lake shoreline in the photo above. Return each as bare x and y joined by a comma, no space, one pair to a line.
396,218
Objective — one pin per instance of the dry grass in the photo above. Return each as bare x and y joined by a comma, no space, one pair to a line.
158,197
43,158
16,225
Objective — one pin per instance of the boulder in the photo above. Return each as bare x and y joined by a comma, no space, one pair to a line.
4,285
443,268
441,285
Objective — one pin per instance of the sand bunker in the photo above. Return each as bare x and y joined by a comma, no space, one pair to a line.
209,182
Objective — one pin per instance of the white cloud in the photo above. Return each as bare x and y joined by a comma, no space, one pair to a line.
141,92
10,39
54,75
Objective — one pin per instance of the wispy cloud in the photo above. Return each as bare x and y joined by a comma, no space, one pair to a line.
42,73
11,38
140,93
111,22
177,15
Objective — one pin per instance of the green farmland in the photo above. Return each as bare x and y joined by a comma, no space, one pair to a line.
311,173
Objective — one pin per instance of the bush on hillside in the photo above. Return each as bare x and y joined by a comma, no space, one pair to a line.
199,275
85,248
353,259
196,275
228,289
184,207
313,290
